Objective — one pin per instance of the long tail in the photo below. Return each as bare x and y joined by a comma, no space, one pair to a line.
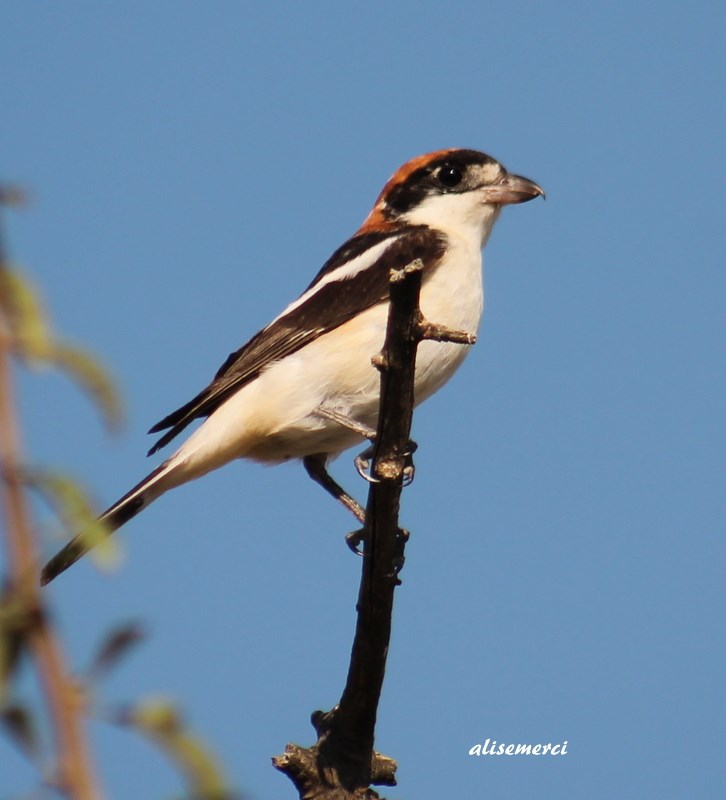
144,493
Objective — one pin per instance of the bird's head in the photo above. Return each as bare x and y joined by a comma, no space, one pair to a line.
457,191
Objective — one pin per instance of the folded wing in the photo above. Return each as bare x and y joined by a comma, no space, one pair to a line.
355,278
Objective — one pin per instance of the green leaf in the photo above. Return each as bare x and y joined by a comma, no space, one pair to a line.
34,341
26,316
92,378
76,512
159,721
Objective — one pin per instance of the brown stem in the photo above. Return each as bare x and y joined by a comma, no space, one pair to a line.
76,778
384,540
342,764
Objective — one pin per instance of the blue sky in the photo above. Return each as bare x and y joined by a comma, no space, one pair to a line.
192,166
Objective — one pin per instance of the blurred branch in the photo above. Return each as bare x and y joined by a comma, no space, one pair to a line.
343,764
75,774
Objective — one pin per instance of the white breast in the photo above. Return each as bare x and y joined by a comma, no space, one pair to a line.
452,296
272,418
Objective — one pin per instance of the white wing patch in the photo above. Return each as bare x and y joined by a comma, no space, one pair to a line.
347,270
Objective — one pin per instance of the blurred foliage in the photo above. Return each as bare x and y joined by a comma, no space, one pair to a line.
160,722
26,333
18,617
20,726
33,341
73,508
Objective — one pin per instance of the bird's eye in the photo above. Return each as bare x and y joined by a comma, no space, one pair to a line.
450,175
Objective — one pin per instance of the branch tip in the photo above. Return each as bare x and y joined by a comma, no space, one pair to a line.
440,333
380,361
399,275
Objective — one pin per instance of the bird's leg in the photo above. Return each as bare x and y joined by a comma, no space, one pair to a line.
347,422
363,460
362,464
315,467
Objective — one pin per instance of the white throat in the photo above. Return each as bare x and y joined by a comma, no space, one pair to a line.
461,215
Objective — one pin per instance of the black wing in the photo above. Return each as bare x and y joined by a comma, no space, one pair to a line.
324,309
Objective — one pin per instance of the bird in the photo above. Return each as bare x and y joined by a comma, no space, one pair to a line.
304,387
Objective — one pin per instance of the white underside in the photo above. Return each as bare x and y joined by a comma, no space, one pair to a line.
273,418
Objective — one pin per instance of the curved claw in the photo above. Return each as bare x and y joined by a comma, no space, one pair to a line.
409,472
354,540
362,465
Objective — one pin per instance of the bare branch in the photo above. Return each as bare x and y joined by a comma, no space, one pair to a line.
439,333
342,765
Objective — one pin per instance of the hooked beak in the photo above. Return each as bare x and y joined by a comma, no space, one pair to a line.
513,189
